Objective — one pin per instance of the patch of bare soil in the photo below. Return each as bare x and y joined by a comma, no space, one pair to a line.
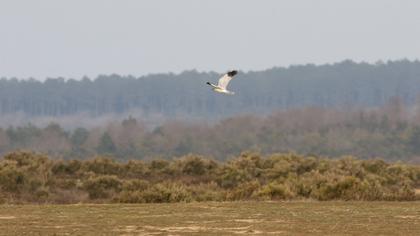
407,217
248,220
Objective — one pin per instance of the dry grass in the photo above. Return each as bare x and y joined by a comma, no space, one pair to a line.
234,218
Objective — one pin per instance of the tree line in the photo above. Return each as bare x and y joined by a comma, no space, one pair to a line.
186,95
391,132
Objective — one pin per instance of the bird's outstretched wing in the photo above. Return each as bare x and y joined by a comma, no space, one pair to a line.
225,79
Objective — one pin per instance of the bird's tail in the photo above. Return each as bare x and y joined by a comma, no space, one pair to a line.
214,86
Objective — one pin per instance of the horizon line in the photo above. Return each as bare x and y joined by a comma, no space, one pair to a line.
98,75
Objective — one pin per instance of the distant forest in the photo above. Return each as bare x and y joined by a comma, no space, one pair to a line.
344,84
347,108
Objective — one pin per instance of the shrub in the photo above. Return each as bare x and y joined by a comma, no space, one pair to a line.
102,186
345,188
23,158
103,166
230,177
244,191
207,192
195,165
31,177
135,169
66,167
375,166
161,167
161,193
12,179
130,197
135,185
275,191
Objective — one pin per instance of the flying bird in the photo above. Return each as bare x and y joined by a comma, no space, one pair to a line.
221,87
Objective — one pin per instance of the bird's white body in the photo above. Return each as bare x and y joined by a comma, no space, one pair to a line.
221,90
221,86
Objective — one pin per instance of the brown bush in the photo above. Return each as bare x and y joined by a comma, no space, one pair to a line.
32,177
102,186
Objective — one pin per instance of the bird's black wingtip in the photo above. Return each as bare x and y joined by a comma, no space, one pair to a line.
208,83
232,73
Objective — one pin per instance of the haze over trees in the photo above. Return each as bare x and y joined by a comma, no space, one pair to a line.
185,95
390,132
366,110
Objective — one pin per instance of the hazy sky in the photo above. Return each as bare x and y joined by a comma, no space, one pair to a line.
73,38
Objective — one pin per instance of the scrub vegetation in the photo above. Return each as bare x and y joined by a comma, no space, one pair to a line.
34,178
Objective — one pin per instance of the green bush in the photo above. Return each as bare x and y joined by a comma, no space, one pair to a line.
12,179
